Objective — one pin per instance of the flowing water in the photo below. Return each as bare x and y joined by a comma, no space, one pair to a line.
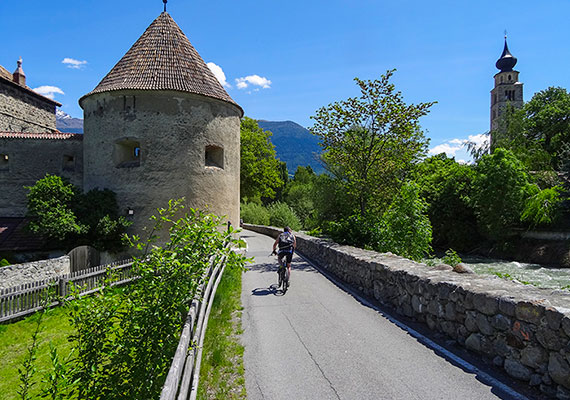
533,274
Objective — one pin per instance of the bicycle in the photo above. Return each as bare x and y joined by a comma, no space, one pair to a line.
283,274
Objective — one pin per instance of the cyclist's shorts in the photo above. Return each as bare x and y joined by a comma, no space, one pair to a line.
288,254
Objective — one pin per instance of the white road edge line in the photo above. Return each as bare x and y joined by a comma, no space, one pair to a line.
428,342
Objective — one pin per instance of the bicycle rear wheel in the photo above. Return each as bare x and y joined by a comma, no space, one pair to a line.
285,279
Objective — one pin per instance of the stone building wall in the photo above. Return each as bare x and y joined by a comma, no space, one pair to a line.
523,329
21,110
21,274
174,132
26,158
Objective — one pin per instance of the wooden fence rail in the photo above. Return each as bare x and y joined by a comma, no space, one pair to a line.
182,380
22,300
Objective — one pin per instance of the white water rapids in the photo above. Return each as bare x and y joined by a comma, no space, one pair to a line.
533,274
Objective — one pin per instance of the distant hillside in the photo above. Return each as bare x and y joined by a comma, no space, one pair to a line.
66,123
294,144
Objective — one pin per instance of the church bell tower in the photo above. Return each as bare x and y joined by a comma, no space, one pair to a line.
508,89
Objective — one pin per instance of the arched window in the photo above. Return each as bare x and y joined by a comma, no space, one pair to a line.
214,156
127,153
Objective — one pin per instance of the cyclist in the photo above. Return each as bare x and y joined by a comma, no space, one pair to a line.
287,244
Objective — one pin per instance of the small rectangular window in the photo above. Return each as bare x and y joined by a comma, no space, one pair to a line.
68,163
214,157
127,153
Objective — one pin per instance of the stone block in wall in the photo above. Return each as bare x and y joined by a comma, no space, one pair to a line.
21,274
559,369
530,311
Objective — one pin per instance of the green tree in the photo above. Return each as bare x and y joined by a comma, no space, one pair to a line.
447,186
260,171
99,212
539,132
49,205
405,229
299,194
500,191
371,140
64,215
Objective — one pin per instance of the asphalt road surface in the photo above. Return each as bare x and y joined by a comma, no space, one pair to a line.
319,342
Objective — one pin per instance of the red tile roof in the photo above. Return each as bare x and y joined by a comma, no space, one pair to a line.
163,59
8,79
15,237
45,135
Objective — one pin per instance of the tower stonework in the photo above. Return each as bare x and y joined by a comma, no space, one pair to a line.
508,90
159,126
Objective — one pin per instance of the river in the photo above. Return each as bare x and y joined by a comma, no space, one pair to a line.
534,274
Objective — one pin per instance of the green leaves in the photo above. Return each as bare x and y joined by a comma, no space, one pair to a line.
370,141
499,193
260,171
49,203
66,216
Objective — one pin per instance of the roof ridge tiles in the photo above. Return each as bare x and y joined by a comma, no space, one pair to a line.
41,135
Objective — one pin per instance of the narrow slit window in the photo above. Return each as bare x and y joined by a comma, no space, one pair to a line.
214,157
68,163
4,161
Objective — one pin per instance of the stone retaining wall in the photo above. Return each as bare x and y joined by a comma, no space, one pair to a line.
524,329
20,274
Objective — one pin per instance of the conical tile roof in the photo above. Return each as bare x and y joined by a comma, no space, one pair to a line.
163,59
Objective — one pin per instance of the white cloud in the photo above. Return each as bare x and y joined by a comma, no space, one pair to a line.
73,63
446,148
479,140
48,91
254,80
219,74
457,141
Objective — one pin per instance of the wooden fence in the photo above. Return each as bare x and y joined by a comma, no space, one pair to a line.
182,380
19,301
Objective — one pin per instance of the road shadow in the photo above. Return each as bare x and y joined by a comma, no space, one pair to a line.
297,265
271,290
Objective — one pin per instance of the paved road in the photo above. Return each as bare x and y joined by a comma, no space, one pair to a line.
319,342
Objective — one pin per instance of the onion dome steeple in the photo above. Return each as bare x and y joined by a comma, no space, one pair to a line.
507,61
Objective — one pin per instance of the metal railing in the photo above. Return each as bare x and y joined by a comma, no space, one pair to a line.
26,299
182,379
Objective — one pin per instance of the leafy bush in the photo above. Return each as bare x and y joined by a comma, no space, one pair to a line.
451,258
542,206
4,262
447,186
125,336
405,228
70,218
253,213
281,215
49,204
499,193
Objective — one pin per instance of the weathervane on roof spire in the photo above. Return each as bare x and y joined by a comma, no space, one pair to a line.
165,1
505,33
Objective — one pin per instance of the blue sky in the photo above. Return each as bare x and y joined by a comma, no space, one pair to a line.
284,60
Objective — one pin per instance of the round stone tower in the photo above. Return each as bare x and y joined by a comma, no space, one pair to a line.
160,126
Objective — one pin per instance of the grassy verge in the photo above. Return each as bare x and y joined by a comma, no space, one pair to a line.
14,341
222,372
